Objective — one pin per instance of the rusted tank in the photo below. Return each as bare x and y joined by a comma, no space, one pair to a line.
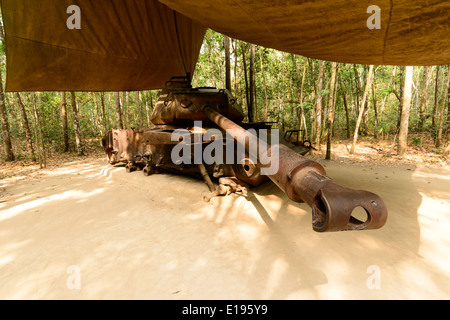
199,132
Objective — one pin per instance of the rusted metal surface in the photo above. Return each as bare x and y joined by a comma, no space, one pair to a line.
303,180
151,150
332,205
180,106
206,177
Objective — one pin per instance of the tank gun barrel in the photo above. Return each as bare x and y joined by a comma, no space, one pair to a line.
304,180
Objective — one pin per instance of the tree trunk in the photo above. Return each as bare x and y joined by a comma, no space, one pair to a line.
5,125
65,126
357,91
26,126
252,84
227,63
234,46
140,109
264,84
97,119
301,110
400,97
447,132
436,97
247,96
38,133
365,119
319,104
375,108
361,109
119,117
76,125
104,114
331,109
344,100
448,103
125,111
147,108
406,106
423,98
439,139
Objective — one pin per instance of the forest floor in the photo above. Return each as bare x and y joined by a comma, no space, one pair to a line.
82,229
384,152
379,152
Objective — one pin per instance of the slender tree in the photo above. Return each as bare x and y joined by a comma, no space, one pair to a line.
226,40
26,126
266,99
375,107
300,90
104,113
140,109
101,113
254,113
441,113
247,95
9,154
99,118
400,96
448,105
331,107
148,107
319,94
40,145
344,101
76,124
357,90
125,110
365,119
119,117
423,97
361,109
436,97
64,123
406,107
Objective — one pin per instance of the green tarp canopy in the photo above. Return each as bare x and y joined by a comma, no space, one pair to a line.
139,44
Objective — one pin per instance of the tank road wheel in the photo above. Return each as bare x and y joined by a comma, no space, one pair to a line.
146,170
149,170
130,167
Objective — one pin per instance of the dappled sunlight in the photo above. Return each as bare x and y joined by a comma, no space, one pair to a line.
278,268
154,237
249,232
34,204
6,259
442,174
417,281
434,218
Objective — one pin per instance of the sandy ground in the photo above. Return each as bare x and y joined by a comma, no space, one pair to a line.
92,231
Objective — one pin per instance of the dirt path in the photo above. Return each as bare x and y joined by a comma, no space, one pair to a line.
91,231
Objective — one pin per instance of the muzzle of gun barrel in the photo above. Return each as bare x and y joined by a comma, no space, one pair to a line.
332,205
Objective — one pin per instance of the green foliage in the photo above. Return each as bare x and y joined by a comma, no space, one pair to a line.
279,85
416,141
